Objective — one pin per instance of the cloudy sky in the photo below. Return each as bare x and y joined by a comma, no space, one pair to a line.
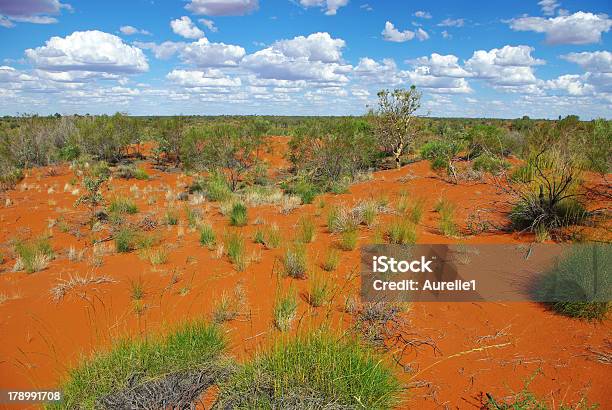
305,57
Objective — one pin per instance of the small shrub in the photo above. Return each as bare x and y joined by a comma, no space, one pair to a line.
306,230
285,309
348,240
332,259
402,232
207,236
141,174
225,309
403,202
157,256
238,215
122,205
193,217
295,261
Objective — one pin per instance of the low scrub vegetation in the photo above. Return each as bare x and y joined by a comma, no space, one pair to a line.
285,309
295,261
318,370
136,368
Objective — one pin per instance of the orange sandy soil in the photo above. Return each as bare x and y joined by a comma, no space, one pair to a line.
483,347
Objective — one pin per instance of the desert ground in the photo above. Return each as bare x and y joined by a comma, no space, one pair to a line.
89,295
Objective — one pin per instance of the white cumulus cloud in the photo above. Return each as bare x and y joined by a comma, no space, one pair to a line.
208,78
577,28
596,61
390,33
88,51
184,27
131,30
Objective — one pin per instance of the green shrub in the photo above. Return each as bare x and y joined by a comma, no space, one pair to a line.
447,224
303,188
317,370
270,237
416,211
441,153
238,215
135,362
141,174
125,240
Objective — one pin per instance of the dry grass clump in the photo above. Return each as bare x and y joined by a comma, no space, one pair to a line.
33,255
285,309
342,219
66,285
228,307
295,261
447,224
289,203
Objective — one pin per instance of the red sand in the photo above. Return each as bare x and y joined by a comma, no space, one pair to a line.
484,347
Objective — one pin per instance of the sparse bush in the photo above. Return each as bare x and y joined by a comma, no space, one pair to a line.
547,197
442,154
217,188
447,224
171,217
416,211
269,237
341,219
238,215
125,240
226,309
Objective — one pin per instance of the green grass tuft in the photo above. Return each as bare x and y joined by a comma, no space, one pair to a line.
238,215
192,346
317,370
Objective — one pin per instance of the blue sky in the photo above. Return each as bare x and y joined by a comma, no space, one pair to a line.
541,58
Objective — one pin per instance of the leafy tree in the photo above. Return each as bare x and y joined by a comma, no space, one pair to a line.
395,120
